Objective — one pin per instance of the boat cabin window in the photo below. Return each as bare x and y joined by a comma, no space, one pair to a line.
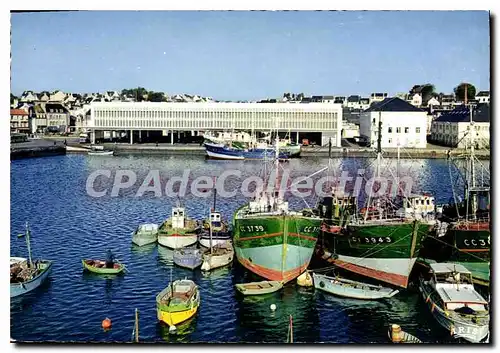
181,214
473,306
340,202
176,213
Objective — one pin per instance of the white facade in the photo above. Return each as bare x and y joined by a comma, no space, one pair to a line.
433,102
483,97
416,100
408,129
456,133
349,130
305,117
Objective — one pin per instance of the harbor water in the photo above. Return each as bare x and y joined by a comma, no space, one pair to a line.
68,225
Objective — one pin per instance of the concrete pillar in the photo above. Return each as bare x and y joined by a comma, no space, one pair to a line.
192,133
298,137
131,137
172,137
147,134
92,137
140,136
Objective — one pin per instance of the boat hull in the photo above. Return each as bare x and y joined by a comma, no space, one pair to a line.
118,268
327,284
217,151
175,318
188,258
177,241
386,252
18,289
278,248
141,240
468,331
259,288
217,259
217,239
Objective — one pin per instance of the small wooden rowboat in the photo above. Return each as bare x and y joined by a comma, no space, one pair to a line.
178,302
258,288
99,267
351,289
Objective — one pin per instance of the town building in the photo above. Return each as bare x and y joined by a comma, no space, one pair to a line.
483,97
402,124
57,96
19,121
377,97
57,116
415,99
323,119
323,99
453,128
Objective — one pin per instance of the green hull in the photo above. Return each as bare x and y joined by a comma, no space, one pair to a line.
276,247
386,251
103,270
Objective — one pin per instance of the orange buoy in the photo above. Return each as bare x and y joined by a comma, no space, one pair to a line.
106,324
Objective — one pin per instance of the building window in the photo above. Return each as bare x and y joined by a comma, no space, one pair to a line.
398,130
390,141
417,130
389,130
407,130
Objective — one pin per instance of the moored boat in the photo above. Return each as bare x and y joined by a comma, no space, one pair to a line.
178,231
99,267
188,258
218,256
25,278
145,234
220,230
269,239
25,274
259,288
221,151
450,295
178,302
351,289
99,151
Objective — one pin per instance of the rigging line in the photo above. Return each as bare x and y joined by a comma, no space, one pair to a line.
453,191
367,252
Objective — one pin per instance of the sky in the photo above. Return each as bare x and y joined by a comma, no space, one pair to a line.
247,55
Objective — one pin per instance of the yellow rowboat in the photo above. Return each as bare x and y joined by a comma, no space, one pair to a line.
178,302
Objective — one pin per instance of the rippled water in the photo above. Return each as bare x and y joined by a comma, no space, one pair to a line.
68,225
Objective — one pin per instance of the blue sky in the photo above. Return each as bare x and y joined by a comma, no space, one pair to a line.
249,55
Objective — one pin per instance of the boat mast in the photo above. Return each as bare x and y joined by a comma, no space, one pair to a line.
379,154
28,244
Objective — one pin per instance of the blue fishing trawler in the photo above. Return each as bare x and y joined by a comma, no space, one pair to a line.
221,151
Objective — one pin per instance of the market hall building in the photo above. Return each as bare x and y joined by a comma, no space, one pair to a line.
150,121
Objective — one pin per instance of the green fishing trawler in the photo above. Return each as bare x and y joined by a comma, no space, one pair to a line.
463,233
383,239
272,241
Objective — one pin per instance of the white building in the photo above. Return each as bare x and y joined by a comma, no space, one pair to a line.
433,102
325,119
452,128
415,99
377,97
483,97
349,130
402,124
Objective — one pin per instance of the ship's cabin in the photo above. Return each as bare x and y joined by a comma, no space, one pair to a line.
215,219
419,207
178,216
268,202
450,275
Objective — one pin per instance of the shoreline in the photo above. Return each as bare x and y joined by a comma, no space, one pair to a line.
43,148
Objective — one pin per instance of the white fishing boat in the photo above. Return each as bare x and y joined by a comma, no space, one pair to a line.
178,231
218,256
351,289
99,151
25,274
449,293
145,234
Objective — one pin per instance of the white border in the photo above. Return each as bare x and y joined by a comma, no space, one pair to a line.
194,5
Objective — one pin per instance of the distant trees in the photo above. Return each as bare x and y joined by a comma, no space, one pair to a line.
12,98
427,91
293,96
141,94
460,91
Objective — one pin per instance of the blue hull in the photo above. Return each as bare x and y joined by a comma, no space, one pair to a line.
17,289
217,151
188,258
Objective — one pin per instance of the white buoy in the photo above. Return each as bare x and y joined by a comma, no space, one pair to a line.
273,307
172,329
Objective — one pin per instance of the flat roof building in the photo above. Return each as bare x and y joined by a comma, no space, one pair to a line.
325,119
